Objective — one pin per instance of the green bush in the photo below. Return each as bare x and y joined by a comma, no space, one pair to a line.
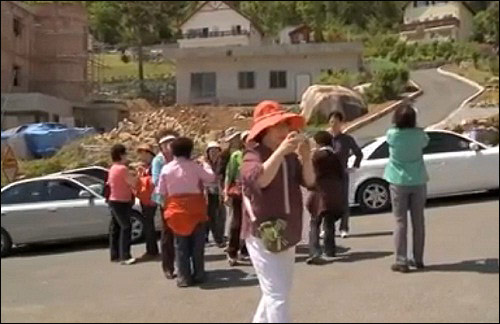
343,78
389,80
493,65
396,50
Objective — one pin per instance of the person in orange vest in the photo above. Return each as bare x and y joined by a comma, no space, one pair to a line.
181,186
144,191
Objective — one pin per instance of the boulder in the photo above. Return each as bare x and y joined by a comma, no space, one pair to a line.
318,101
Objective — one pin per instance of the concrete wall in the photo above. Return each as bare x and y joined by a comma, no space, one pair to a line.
61,46
242,40
227,70
22,108
100,115
51,50
466,24
16,50
432,34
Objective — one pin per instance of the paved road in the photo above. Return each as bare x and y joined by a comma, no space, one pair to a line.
74,284
441,96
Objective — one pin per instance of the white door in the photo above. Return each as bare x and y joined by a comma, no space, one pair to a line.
483,172
448,162
302,82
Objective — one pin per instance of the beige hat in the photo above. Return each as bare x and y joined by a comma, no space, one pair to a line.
212,145
146,148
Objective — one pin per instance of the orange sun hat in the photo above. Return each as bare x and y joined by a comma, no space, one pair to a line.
269,113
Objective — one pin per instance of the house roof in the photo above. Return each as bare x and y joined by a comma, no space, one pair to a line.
230,5
466,5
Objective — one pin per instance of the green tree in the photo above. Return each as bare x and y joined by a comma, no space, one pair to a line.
271,16
136,24
486,25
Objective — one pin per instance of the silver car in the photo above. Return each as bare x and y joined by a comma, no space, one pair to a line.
57,207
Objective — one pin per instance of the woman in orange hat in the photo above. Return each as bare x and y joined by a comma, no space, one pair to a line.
273,171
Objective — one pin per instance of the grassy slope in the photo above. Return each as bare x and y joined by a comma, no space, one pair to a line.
114,67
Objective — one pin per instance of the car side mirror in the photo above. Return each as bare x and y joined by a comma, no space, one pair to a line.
474,147
84,194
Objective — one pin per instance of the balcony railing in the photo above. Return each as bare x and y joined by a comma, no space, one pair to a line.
446,21
210,34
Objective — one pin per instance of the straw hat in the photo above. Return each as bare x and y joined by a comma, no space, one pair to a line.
146,148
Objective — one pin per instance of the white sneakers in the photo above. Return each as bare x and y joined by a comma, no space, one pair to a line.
129,261
344,234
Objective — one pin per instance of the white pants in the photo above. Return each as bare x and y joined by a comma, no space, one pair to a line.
275,273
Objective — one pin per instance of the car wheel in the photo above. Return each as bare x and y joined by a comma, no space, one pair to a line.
374,196
137,221
6,243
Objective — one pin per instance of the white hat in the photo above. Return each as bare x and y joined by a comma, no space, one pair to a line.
230,133
212,145
167,138
244,135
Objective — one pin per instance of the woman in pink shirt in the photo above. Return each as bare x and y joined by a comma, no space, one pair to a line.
181,185
121,183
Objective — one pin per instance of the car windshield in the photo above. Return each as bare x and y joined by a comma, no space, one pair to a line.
93,183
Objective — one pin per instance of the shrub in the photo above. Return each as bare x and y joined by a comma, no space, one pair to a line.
389,80
493,65
342,78
396,50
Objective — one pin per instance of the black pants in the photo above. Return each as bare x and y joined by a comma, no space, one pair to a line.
167,247
329,220
149,213
344,223
189,254
217,218
120,230
235,243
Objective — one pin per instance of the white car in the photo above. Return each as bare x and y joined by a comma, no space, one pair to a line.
455,164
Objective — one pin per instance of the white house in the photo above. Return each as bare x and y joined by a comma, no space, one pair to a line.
225,58
437,20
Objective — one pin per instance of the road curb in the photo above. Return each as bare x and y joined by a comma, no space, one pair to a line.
480,88
371,118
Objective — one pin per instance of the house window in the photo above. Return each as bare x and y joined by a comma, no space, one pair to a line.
246,80
277,80
203,85
237,30
16,76
16,27
418,4
204,32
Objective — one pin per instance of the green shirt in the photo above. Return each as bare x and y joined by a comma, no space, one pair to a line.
406,160
233,167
